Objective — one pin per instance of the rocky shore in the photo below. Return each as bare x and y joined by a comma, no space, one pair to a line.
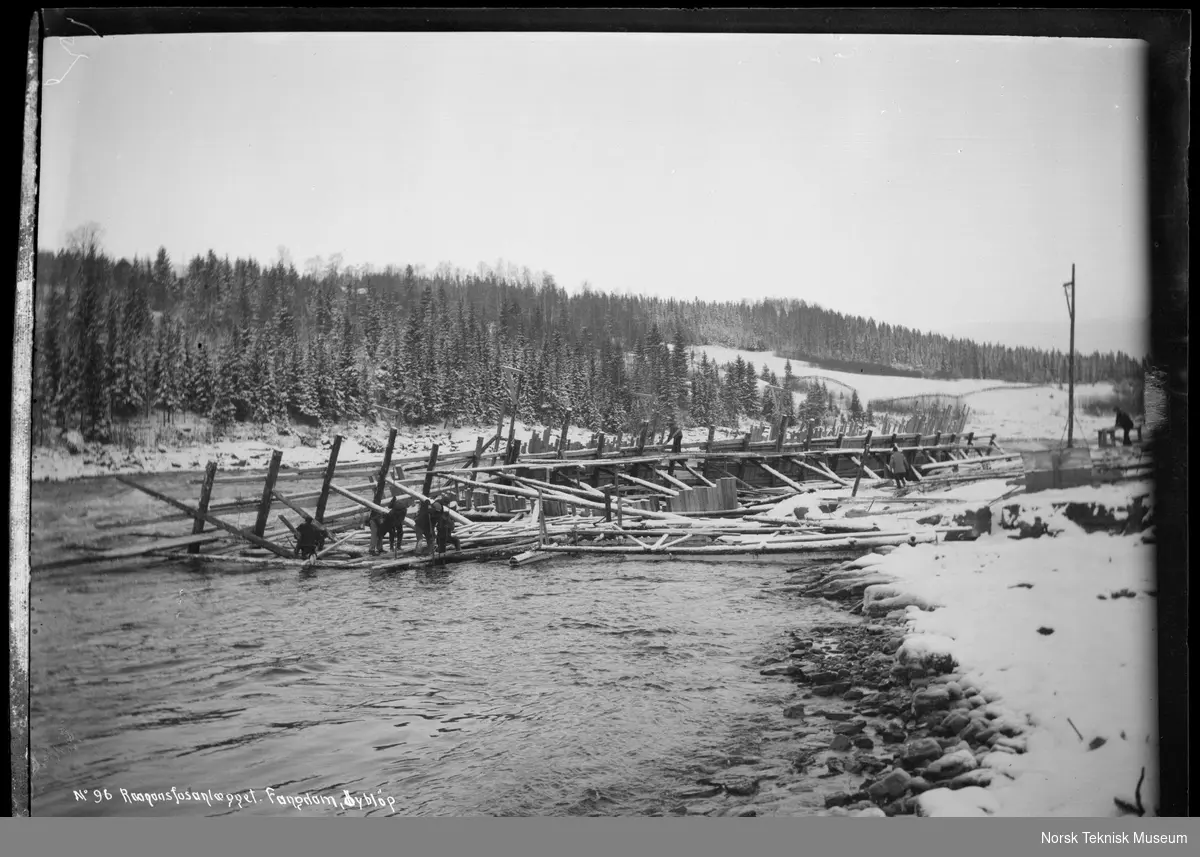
884,720
878,727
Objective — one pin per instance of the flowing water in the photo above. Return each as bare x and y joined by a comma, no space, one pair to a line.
574,687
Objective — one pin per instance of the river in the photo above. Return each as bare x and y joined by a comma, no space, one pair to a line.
574,687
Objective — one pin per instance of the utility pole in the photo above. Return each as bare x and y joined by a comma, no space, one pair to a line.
1069,291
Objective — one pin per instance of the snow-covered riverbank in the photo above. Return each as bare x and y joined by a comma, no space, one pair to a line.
1058,633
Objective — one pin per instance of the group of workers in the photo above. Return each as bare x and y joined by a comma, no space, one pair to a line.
433,525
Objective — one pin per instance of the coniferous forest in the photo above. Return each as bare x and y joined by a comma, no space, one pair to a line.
242,341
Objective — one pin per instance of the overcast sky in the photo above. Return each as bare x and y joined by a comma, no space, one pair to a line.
944,183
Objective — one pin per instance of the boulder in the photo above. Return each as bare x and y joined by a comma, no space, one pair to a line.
854,727
864,743
840,743
954,722
981,777
891,786
838,799
793,712
919,784
930,699
920,751
951,765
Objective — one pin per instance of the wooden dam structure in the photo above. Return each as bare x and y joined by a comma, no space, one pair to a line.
528,501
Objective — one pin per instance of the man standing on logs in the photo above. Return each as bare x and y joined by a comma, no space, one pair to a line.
444,524
391,524
899,467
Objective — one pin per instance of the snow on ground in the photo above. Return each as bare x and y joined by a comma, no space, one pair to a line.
1007,410
1096,668
57,464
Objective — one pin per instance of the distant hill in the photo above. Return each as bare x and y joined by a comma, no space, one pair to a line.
241,341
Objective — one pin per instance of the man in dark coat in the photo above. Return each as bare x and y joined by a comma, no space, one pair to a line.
423,526
444,524
309,539
391,524
1125,423
899,466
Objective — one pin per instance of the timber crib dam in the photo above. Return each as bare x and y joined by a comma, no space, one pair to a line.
503,501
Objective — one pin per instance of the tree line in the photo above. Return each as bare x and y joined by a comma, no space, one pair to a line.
241,341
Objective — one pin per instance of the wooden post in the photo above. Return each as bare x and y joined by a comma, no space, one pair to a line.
708,448
741,474
512,423
264,507
617,488
541,519
861,463
783,425
387,465
562,440
499,437
427,485
211,519
210,473
641,444
1071,362
599,455
808,437
333,456
608,504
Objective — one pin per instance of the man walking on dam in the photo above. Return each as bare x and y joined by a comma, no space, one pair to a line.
1125,423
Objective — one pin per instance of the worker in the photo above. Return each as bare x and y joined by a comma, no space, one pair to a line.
390,523
310,538
899,466
443,523
1125,423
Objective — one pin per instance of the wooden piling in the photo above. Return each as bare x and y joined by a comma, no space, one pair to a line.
608,504
264,507
741,474
210,473
599,455
324,498
387,465
475,466
427,485
211,519
861,464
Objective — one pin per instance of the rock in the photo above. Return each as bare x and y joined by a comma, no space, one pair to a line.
740,785
893,732
870,812
930,699
823,677
747,813
791,670
854,727
853,694
838,799
864,743
950,766
840,743
871,764
873,698
920,751
954,722
894,785
955,690
836,715
981,777
823,690
793,712
919,784
841,687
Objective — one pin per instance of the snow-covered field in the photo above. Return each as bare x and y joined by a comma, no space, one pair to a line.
1010,411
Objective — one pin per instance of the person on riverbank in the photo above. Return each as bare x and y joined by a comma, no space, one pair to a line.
309,539
1125,423
899,466
675,438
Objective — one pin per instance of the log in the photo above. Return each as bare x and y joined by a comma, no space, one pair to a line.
215,521
385,467
660,489
264,506
159,545
374,507
329,468
784,479
210,473
529,558
287,501
458,518
577,501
